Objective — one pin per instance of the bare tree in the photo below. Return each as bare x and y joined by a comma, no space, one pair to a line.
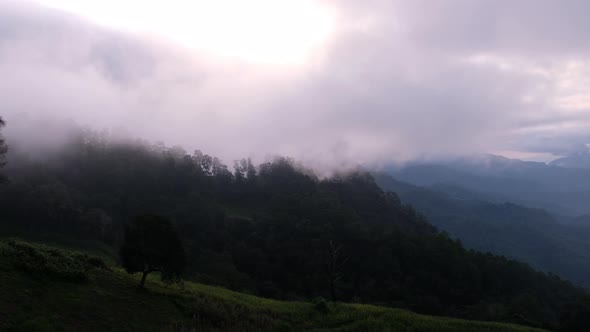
334,264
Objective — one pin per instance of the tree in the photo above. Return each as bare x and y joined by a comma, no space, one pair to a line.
151,244
335,263
576,316
3,147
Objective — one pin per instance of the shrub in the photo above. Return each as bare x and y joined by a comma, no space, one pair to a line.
320,304
44,261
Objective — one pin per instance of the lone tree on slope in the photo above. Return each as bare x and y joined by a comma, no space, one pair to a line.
152,245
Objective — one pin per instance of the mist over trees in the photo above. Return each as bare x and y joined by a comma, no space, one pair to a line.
275,230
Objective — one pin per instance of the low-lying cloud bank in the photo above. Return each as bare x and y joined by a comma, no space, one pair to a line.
396,80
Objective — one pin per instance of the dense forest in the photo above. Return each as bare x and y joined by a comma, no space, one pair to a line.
277,230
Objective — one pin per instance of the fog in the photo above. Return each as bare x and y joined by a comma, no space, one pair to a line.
395,80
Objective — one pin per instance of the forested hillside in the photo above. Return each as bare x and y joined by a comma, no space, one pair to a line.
44,288
276,230
531,235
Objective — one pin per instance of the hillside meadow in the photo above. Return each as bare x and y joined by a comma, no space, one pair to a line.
43,288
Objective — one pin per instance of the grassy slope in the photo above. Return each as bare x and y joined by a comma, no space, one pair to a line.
110,301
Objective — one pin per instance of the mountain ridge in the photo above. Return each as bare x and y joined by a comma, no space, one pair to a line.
529,234
563,191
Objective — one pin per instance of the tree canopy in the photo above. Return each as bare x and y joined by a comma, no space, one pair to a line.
151,244
3,150
3,147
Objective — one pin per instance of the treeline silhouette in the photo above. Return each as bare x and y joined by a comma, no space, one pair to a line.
277,230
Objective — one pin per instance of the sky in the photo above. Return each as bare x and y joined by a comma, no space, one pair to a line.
329,82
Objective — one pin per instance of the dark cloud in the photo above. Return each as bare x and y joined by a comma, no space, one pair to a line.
397,80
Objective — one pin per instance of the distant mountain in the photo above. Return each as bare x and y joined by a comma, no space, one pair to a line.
578,160
558,189
583,220
528,234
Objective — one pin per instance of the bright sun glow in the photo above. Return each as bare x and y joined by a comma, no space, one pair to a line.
261,31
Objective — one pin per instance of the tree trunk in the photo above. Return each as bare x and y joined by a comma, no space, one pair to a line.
142,283
332,288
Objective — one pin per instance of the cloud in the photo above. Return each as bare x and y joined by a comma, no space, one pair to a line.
397,80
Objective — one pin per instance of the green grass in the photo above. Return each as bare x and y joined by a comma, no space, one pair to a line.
58,240
45,297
